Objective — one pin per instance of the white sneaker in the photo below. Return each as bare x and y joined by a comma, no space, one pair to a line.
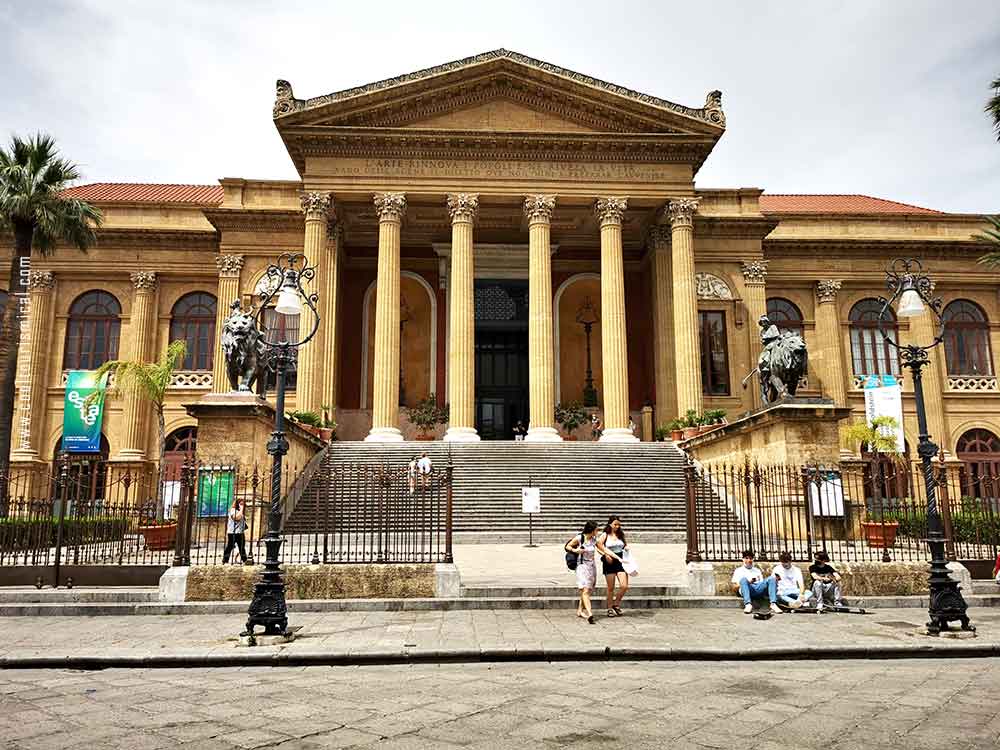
819,606
795,604
748,609
775,608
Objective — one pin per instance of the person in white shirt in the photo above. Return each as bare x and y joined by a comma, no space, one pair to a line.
411,474
749,582
424,467
790,582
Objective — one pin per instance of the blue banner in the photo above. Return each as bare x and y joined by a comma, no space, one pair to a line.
82,419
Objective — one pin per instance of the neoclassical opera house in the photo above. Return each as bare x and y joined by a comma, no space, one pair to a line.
507,235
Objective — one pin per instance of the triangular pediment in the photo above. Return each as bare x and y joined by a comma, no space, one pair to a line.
499,91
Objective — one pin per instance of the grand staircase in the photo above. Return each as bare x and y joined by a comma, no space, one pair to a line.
641,482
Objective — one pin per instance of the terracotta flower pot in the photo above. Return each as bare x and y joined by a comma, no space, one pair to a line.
325,434
880,534
424,436
159,537
569,437
689,432
676,435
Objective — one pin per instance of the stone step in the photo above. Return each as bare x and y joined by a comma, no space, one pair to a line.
32,595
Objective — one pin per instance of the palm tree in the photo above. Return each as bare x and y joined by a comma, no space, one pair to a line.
32,178
993,106
149,381
991,235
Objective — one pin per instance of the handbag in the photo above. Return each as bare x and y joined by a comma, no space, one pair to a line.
629,564
573,558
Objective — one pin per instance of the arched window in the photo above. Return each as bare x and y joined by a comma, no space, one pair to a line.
278,327
179,446
870,352
192,320
714,353
785,315
967,339
92,331
979,452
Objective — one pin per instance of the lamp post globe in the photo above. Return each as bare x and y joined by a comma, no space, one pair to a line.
284,287
911,294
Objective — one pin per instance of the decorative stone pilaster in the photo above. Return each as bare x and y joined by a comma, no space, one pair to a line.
34,349
142,337
663,338
329,290
230,268
316,207
614,344
828,359
385,378
462,345
923,329
541,362
680,212
755,299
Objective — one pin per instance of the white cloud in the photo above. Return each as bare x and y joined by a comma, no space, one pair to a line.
885,99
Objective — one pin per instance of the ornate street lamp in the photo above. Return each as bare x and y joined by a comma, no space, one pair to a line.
911,290
404,318
587,317
284,280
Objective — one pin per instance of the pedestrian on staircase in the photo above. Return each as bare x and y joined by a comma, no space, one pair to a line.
613,540
520,431
411,474
585,545
596,428
425,467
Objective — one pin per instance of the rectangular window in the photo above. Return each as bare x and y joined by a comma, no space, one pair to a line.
714,353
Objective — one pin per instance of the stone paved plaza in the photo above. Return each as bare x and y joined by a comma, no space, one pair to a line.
916,705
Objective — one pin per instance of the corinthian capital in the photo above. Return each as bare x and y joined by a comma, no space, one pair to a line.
463,206
316,205
144,281
390,206
754,272
610,210
658,236
41,281
680,211
826,290
229,265
539,208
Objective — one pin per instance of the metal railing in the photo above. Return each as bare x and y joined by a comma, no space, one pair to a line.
864,511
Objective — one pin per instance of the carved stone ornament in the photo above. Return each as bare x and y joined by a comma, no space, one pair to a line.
658,236
539,208
144,281
316,205
713,108
610,210
390,206
284,101
680,211
463,206
755,271
712,287
826,290
334,230
41,281
229,265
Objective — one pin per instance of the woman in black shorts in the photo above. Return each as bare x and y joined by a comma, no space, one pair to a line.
613,539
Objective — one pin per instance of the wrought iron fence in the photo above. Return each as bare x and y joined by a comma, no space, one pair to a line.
93,514
869,510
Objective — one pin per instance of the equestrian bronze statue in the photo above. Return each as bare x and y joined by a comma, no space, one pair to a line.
782,363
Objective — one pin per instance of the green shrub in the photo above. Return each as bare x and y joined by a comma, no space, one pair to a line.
427,414
28,533
310,418
662,433
968,525
571,415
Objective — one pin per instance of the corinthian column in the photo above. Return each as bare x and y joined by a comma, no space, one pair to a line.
36,346
329,289
614,346
687,354
316,207
754,278
830,360
230,267
142,332
541,369
923,329
663,340
385,378
462,344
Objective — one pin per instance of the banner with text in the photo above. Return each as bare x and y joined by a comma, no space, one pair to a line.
884,398
82,420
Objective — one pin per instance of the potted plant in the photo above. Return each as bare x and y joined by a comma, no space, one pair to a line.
676,427
328,430
881,533
310,421
690,423
712,418
661,433
571,415
427,415
158,535
879,436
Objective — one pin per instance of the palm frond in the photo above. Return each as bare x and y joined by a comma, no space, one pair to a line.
147,380
990,235
993,106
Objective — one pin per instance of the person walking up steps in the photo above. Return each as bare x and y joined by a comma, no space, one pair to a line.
585,545
613,540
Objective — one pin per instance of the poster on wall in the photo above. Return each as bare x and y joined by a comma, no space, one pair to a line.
82,419
884,398
215,491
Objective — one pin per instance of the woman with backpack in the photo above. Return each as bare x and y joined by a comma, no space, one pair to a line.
583,546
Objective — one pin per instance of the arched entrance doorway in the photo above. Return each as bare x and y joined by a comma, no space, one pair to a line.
180,446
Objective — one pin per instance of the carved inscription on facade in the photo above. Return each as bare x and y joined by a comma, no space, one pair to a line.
501,169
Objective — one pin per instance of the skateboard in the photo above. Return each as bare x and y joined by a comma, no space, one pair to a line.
809,609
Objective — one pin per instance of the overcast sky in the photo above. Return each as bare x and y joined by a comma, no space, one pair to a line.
884,98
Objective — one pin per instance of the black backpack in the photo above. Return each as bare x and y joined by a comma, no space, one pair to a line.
572,558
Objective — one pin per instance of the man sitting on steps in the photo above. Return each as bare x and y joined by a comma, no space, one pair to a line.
749,582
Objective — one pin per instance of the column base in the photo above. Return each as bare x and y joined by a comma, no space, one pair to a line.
130,454
542,435
461,435
27,456
618,435
384,435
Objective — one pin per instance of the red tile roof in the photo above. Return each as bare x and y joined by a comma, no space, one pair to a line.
130,192
836,204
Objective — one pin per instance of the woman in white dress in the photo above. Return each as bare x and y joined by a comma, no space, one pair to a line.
586,545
